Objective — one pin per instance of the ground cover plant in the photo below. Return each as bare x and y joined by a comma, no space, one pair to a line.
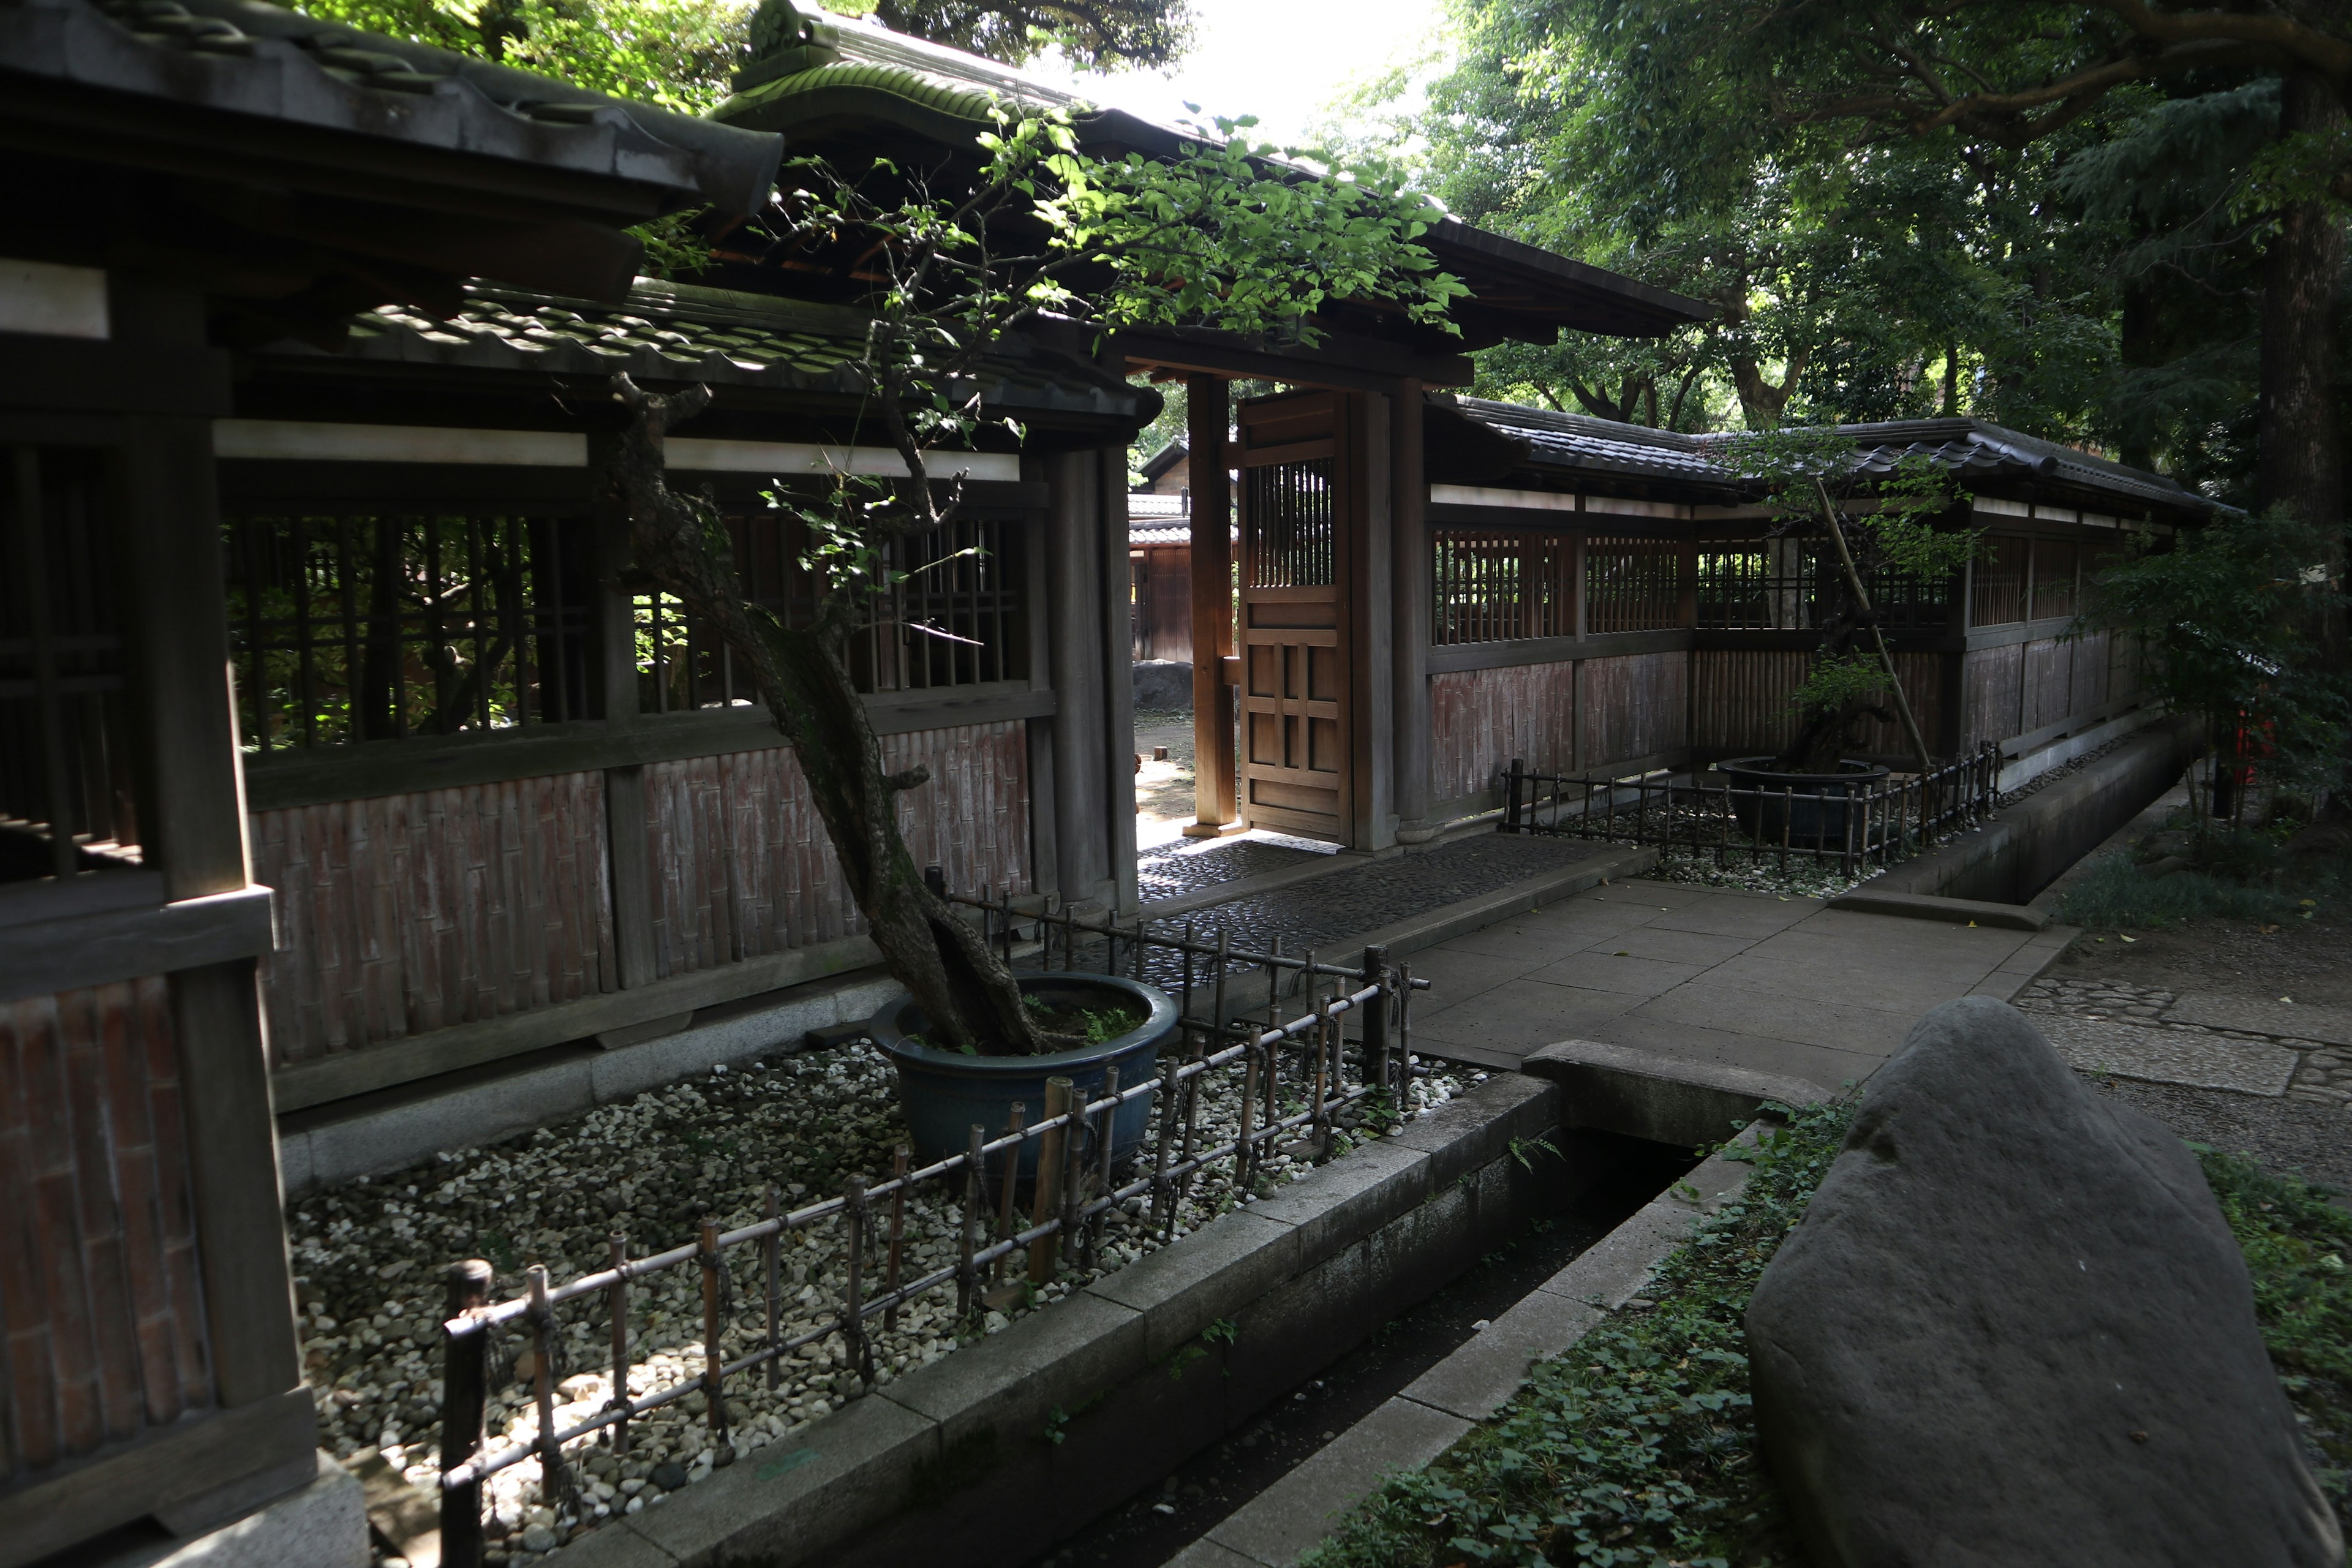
2270,872
1638,1446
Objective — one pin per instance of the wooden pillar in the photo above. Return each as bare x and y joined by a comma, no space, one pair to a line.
1409,588
1109,471
1370,620
1212,608
1082,742
192,829
1045,842
614,680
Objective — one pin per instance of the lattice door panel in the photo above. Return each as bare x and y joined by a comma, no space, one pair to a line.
1295,763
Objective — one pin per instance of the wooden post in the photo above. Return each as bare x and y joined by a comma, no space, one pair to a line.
1048,1199
465,1393
1511,796
1213,606
1376,1017
1370,616
1409,572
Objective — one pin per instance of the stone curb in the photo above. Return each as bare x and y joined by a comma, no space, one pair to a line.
934,1429
1432,1413
1620,1088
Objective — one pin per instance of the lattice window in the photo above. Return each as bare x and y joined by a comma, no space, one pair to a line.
2054,565
364,627
1631,584
956,618
1998,597
66,797
1494,587
1763,586
1291,543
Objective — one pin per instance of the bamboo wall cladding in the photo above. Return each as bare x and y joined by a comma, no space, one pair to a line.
410,912
1635,705
1740,701
1481,719
1991,692
105,1318
741,866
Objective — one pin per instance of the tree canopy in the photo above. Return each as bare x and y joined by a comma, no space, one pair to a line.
2064,217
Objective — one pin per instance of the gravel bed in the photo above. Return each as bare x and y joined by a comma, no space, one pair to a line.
369,1257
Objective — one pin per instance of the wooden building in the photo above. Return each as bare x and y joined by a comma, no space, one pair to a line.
183,183
1595,598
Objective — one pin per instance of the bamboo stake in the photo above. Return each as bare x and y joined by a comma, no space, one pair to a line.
1074,1174
1862,598
714,1354
616,1303
898,1235
1163,1211
465,1392
542,1378
1010,1180
967,1276
1048,1200
852,1317
771,1268
1107,1144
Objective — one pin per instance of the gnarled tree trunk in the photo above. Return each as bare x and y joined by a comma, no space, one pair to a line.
680,544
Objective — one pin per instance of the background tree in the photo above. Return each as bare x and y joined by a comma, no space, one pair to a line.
1220,235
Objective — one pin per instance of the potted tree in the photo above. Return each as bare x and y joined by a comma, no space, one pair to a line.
1222,234
1866,524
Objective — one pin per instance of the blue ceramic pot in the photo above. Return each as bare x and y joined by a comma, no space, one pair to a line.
944,1093
1813,806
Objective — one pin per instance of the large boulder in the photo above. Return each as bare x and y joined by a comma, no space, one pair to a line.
2012,1330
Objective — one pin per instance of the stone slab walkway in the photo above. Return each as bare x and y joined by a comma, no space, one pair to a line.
2268,1045
1776,985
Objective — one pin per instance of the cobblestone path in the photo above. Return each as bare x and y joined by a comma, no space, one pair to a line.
2253,1045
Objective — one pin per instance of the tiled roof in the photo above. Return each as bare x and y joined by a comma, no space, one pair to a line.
670,333
247,57
1973,451
1970,448
1597,445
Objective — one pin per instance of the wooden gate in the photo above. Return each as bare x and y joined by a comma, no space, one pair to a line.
1295,649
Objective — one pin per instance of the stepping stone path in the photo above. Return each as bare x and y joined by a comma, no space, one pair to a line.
2254,1045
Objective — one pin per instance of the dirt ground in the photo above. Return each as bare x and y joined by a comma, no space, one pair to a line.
1164,790
2309,961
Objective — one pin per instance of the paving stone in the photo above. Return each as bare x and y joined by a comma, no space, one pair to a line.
1737,914
2168,1055
1519,1015
1206,1553
1715,1002
1282,1522
2262,1016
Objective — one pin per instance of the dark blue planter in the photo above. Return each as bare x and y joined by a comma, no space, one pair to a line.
1813,805
944,1093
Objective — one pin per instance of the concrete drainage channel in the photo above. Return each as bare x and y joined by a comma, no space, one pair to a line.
1014,1446
1220,1481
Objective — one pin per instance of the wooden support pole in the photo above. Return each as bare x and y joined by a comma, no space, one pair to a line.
1213,606
616,1303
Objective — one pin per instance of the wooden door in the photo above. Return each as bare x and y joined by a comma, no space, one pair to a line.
1295,649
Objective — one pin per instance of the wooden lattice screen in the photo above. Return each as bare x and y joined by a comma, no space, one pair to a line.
1631,584
1294,547
66,799
352,627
